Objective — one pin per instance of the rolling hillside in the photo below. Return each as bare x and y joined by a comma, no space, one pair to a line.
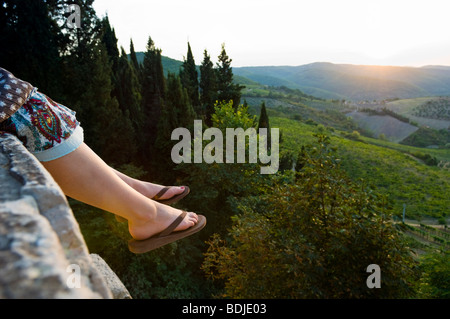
343,81
388,166
354,82
411,107
302,91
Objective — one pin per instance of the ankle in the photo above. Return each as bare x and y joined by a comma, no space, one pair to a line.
144,214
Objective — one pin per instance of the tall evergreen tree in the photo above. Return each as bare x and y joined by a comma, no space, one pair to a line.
110,40
177,111
153,87
88,84
226,89
264,123
208,87
129,91
189,79
133,58
30,43
263,118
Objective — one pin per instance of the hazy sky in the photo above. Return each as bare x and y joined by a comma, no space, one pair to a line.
288,32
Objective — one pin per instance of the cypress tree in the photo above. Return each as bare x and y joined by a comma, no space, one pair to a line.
177,111
263,118
226,89
208,87
189,79
133,58
129,91
30,43
88,84
264,123
110,40
153,87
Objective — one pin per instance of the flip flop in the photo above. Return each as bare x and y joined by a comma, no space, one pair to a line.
173,199
167,236
167,201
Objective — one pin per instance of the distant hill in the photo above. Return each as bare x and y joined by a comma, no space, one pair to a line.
343,81
169,64
354,82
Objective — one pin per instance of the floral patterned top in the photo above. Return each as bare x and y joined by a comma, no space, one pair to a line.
13,93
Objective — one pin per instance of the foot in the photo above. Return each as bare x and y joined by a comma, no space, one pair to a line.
156,222
150,190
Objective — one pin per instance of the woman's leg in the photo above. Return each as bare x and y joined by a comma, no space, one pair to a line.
84,176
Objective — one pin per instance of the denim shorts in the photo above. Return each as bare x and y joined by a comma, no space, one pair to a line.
48,129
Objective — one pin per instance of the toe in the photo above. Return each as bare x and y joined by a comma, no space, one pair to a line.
173,192
193,218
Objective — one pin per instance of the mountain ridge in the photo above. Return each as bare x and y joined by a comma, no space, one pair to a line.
356,82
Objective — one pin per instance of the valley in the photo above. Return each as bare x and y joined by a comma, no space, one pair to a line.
405,156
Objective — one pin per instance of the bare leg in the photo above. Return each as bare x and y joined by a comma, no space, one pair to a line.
84,176
148,189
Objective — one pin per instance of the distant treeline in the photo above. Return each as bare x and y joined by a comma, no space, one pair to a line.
127,108
385,111
434,109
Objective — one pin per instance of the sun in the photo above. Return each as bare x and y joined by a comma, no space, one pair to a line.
378,51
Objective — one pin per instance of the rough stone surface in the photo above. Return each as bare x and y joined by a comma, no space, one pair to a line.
42,250
118,290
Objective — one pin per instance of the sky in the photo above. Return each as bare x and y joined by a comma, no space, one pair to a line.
288,32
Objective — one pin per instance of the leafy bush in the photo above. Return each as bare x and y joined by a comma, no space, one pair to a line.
313,238
435,278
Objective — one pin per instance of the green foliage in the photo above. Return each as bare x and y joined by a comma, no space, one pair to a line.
32,52
434,109
425,136
226,89
214,186
263,118
426,158
110,40
153,90
312,239
128,90
435,280
177,111
189,79
208,87
387,166
264,123
225,116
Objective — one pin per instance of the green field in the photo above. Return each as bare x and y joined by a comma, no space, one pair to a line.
393,129
407,108
388,167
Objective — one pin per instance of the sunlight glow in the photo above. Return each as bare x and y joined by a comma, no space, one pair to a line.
288,32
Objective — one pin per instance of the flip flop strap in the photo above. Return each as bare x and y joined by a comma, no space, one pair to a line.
174,225
161,193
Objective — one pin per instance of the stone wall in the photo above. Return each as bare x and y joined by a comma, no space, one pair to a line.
42,251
